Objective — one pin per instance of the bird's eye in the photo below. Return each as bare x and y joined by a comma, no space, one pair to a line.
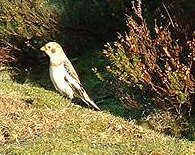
48,47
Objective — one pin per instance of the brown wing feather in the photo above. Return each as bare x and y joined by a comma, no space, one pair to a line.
71,70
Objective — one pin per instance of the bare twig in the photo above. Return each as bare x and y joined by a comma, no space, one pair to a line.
168,15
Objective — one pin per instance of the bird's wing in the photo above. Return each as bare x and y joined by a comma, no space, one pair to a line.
80,91
70,69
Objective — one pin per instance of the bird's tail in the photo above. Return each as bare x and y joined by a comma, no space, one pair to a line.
85,98
91,103
82,94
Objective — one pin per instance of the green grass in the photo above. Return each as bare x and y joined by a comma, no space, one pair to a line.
34,120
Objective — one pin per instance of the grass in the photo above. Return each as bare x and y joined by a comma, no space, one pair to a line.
34,120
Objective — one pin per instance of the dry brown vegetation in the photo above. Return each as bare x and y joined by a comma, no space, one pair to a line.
152,66
6,56
153,69
20,121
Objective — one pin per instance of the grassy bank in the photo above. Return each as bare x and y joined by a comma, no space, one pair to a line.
39,121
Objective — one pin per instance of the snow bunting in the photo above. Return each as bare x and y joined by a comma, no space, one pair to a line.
63,74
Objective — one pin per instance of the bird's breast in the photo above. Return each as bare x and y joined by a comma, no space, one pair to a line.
57,76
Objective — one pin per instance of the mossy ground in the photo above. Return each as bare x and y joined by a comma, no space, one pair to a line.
35,119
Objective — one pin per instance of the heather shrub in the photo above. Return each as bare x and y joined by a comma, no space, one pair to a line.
149,69
24,25
23,21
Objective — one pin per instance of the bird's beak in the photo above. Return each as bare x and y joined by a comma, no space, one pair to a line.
42,48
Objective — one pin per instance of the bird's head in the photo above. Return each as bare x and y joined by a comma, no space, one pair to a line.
54,51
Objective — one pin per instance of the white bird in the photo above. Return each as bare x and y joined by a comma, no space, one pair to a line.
63,74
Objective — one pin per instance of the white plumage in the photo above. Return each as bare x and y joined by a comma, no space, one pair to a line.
63,74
